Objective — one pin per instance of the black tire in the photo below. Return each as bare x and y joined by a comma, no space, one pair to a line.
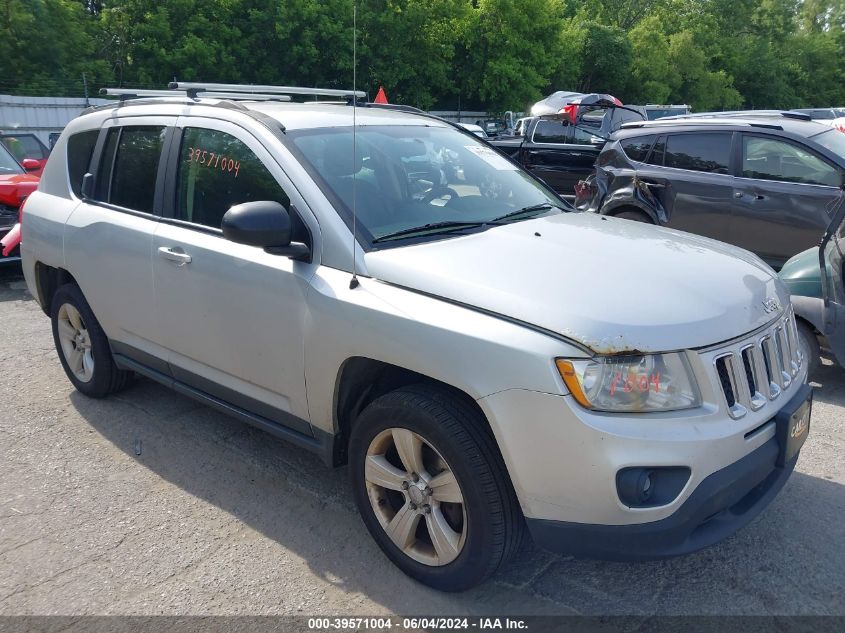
810,346
106,377
494,527
634,215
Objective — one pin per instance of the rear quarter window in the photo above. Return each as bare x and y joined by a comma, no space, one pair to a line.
80,148
637,148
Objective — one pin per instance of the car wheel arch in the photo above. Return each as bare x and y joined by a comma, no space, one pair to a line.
360,380
48,279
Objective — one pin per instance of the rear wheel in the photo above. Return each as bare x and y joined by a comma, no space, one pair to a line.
634,215
432,488
82,345
809,346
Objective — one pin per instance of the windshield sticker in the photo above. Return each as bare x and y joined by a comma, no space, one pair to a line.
491,157
214,161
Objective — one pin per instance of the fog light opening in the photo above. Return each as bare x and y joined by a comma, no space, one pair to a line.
646,487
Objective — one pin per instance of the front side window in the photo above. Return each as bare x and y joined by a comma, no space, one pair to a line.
129,167
430,180
771,159
216,172
24,146
699,152
8,164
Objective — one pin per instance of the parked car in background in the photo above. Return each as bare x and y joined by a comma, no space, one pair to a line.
26,147
654,111
475,129
821,114
765,184
520,125
15,185
561,148
816,281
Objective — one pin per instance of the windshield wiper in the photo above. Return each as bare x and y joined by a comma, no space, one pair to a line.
534,208
434,227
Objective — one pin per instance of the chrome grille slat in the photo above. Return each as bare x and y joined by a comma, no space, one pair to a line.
759,370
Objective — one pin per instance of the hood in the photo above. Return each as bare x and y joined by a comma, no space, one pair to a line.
611,285
557,101
15,187
802,274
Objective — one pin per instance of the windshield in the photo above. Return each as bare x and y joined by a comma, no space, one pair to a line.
8,165
834,140
408,177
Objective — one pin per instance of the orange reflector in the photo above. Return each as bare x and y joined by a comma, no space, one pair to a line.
567,372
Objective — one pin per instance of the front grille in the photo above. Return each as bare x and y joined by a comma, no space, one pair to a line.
761,369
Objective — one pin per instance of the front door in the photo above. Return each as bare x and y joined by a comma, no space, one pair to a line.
233,315
782,197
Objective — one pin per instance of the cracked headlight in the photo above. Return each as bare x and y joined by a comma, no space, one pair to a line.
631,384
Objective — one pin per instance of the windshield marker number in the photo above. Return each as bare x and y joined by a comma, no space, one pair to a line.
214,161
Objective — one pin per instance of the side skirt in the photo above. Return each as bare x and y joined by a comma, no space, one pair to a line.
322,443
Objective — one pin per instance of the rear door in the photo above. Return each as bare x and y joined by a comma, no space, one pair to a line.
108,238
695,183
781,196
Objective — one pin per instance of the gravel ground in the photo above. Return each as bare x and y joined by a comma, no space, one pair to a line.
147,503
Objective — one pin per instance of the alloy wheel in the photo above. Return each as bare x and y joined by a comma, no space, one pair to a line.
75,342
415,496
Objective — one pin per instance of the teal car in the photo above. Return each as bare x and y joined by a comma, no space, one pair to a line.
816,281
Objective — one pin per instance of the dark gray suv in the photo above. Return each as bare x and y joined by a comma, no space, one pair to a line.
763,183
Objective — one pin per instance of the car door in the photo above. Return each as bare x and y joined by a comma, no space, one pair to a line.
232,315
693,181
781,197
551,156
108,236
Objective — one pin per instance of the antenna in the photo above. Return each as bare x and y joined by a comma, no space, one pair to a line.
353,283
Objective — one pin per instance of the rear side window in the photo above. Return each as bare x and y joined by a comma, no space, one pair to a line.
217,171
80,147
130,165
549,131
637,148
699,152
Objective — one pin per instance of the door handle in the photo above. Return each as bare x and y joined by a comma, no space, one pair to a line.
174,255
738,194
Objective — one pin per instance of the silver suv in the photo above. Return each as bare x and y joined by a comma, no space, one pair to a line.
398,297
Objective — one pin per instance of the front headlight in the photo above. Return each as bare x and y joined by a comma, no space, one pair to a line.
631,384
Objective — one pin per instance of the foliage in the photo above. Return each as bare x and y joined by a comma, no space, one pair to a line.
473,54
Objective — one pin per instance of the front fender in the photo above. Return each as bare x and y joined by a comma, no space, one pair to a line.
474,352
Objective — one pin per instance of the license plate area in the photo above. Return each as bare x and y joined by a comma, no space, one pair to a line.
793,427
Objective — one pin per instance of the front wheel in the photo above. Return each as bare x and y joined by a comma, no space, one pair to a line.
432,489
635,216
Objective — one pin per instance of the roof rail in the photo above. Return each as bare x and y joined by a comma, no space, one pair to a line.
196,88
131,93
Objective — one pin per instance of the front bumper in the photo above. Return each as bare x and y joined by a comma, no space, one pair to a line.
723,503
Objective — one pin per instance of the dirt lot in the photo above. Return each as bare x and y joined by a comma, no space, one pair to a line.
148,503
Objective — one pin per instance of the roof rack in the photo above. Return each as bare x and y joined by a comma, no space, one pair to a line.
680,121
800,116
205,88
131,93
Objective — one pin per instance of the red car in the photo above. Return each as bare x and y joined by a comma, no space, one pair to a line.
15,185
26,146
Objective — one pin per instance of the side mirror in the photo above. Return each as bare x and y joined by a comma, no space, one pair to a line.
265,224
30,164
87,188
